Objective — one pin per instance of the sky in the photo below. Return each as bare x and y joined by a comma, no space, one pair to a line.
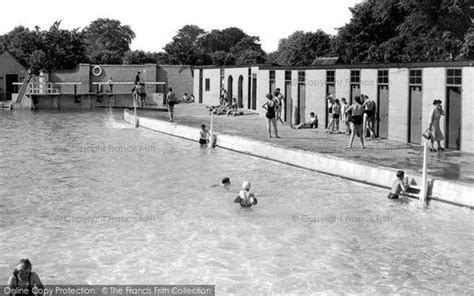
156,22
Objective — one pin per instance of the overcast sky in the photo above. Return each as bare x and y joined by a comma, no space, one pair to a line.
156,22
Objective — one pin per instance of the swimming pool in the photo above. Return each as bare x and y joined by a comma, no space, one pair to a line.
91,200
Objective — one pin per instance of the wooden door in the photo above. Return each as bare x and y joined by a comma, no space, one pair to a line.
382,111
415,123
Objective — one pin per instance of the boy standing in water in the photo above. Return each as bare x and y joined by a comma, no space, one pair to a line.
398,186
204,136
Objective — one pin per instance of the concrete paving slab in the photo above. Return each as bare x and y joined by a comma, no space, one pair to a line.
450,165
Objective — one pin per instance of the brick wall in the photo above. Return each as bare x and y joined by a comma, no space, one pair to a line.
9,65
177,77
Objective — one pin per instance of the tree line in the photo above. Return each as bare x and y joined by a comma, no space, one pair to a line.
380,31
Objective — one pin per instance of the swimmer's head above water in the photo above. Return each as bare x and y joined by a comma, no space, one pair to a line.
226,181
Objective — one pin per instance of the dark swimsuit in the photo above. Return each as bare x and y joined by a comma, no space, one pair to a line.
369,113
202,141
392,196
30,286
357,119
270,112
244,203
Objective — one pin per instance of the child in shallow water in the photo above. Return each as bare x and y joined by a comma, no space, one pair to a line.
203,136
246,197
399,186
23,277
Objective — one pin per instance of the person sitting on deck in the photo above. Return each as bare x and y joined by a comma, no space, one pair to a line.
399,186
234,104
312,123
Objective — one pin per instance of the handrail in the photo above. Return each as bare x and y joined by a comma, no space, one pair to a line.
126,83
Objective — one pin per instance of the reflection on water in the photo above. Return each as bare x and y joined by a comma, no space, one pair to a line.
91,201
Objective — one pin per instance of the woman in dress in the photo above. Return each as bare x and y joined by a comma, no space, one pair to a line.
436,134
272,108
357,111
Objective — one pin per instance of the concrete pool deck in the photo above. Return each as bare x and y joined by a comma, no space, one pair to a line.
451,173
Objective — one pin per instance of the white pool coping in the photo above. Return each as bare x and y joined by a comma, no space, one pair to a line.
452,192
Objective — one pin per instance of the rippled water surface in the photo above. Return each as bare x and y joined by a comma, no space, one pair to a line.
90,200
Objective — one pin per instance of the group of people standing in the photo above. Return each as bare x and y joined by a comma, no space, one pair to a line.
357,118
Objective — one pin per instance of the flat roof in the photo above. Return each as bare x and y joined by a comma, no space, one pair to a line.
234,66
463,63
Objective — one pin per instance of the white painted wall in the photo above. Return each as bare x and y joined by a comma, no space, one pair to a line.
398,105
196,85
263,85
343,84
368,83
211,97
467,128
236,72
316,94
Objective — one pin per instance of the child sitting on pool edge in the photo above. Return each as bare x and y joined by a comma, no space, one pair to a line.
399,186
246,198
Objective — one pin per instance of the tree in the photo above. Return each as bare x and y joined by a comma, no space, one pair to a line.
106,57
107,40
63,49
222,58
467,50
46,50
185,48
302,48
137,57
21,43
232,46
404,31
272,58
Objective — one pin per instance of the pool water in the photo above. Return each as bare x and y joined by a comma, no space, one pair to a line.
91,200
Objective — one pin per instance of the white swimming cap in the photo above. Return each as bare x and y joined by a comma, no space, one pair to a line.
246,185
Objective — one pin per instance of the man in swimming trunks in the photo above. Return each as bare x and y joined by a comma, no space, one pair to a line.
369,115
399,186
280,99
312,123
171,101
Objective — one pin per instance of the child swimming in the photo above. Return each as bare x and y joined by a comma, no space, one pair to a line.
246,198
399,186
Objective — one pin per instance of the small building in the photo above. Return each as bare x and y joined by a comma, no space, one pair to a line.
91,86
403,93
11,71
